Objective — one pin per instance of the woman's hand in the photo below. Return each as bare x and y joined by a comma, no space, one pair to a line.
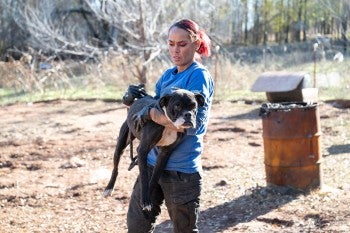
141,117
134,92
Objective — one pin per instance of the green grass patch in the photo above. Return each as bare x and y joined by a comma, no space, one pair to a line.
87,93
112,93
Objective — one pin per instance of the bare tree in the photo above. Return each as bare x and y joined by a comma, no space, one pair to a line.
305,19
340,10
53,27
345,17
138,26
142,25
11,34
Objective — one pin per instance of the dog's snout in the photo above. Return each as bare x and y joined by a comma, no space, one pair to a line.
187,115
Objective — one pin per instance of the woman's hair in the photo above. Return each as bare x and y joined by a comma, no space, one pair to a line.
195,33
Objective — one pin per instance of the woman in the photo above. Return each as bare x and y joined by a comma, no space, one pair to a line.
180,183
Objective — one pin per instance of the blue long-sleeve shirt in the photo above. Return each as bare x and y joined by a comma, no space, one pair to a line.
186,157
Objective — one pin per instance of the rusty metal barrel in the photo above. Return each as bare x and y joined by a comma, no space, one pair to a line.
292,151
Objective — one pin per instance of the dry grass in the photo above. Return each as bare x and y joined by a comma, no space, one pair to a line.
233,79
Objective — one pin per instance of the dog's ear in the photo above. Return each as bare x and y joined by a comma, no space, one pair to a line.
164,101
200,99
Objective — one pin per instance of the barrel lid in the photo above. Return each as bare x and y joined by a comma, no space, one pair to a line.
266,108
278,81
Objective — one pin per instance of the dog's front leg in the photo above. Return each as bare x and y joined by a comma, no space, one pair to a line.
162,159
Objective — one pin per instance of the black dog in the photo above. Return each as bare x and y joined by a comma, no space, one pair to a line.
181,108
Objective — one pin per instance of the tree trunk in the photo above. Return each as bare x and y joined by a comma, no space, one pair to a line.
300,22
246,22
142,70
305,20
344,24
256,29
287,25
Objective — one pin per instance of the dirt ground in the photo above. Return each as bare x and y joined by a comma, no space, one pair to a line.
56,158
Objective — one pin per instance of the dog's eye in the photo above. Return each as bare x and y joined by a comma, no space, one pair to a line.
178,106
192,106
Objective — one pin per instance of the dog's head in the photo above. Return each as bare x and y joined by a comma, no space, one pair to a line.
181,107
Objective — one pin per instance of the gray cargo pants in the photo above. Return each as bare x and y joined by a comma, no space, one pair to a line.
181,192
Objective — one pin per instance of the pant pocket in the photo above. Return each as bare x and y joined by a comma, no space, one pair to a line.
187,189
185,196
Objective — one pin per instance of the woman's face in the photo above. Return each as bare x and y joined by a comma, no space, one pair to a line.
181,48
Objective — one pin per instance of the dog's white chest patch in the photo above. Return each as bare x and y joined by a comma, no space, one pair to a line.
168,137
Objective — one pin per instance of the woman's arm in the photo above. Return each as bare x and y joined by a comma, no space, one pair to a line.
158,117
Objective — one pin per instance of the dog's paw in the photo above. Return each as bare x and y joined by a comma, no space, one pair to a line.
147,207
107,192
